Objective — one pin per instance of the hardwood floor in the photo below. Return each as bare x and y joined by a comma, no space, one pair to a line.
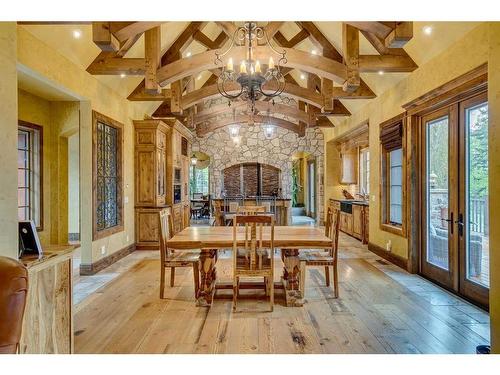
381,309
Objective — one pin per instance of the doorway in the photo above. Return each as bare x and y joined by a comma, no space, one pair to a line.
454,195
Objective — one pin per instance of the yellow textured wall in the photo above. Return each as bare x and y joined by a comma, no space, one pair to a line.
8,140
466,54
40,58
494,180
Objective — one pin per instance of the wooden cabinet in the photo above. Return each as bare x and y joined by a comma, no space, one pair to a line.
355,224
357,221
147,227
346,222
161,162
349,171
150,163
48,318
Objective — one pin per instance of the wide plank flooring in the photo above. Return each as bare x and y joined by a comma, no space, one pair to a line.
381,309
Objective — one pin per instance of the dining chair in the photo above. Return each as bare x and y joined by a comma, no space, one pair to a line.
171,259
269,203
252,259
231,205
324,258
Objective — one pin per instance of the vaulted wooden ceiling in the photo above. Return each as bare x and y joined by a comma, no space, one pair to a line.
329,75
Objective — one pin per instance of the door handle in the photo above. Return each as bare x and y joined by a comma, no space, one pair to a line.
460,223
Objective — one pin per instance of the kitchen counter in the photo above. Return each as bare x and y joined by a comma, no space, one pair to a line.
354,217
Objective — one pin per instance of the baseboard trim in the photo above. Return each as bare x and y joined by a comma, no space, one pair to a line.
393,258
92,269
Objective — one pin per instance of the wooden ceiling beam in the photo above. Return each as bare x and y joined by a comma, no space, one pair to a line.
320,41
400,35
380,46
206,42
228,27
350,48
203,129
104,38
103,64
386,63
380,29
272,28
172,54
305,61
126,30
152,54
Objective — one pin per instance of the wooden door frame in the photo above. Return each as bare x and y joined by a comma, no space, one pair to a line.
466,85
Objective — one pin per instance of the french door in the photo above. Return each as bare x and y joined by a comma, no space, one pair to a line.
454,196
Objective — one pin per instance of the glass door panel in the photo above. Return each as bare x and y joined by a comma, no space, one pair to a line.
476,173
437,190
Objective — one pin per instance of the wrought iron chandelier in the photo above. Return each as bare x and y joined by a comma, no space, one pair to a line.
251,78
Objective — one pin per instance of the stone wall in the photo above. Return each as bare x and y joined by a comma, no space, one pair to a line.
254,147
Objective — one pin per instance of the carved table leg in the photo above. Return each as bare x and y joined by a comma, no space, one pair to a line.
291,277
208,275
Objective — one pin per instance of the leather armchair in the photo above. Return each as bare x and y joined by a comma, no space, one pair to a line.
13,293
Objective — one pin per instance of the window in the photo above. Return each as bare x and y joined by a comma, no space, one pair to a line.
396,187
392,205
107,176
364,171
199,180
29,173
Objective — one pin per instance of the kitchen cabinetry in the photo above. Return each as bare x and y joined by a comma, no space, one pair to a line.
354,218
161,177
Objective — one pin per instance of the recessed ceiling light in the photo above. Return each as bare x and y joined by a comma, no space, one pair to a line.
427,30
314,52
123,75
302,76
77,34
188,54
199,77
381,72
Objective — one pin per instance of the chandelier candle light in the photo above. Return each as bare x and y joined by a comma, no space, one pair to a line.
250,78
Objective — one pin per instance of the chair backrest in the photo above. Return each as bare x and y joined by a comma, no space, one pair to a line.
13,293
253,248
197,195
231,204
166,232
269,203
250,210
334,230
328,221
218,216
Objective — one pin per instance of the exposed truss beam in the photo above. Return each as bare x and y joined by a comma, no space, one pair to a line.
126,30
350,48
380,29
203,129
400,35
260,106
103,37
305,61
206,42
152,52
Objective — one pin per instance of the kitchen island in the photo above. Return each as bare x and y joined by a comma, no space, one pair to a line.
283,208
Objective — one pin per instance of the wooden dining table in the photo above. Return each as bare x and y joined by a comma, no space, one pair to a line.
290,239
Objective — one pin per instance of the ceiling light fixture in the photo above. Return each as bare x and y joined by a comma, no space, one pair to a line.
199,77
302,76
380,72
188,54
77,34
314,52
269,127
251,76
123,75
427,30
